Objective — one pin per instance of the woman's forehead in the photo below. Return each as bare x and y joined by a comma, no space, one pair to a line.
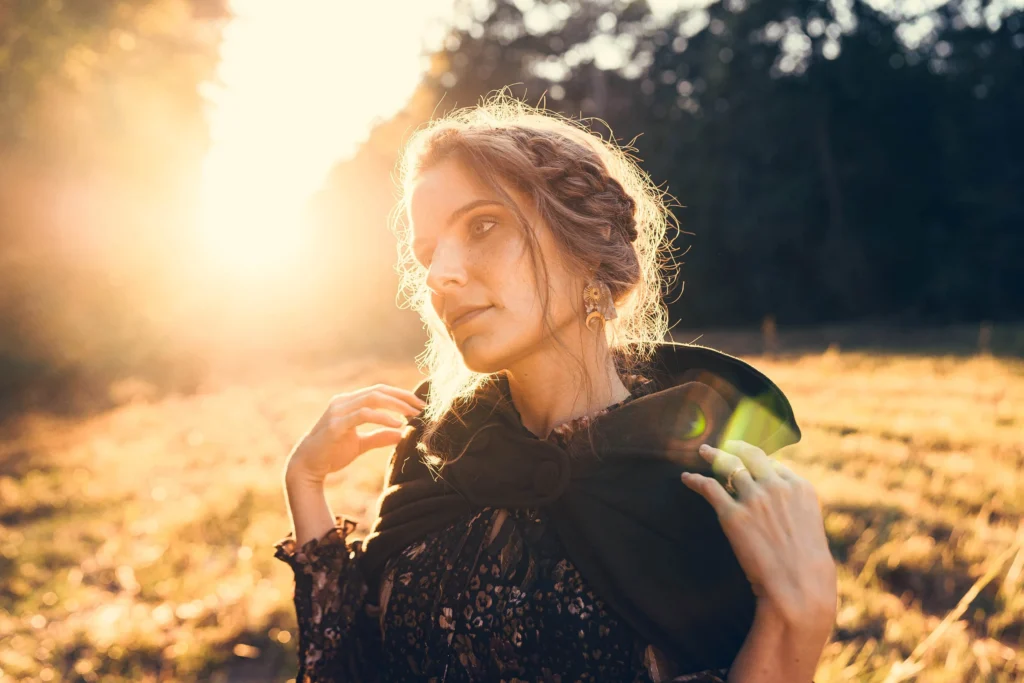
442,195
437,192
450,177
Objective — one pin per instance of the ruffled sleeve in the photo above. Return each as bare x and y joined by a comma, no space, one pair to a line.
339,635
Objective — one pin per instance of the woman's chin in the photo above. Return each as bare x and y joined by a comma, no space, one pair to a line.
479,356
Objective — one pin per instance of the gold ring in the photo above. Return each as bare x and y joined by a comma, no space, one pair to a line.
728,480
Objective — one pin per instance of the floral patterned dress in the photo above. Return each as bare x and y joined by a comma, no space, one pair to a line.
492,597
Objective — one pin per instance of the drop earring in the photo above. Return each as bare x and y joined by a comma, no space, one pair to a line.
597,300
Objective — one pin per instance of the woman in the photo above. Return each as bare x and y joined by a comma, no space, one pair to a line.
547,514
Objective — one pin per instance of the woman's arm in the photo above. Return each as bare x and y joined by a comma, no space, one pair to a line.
338,633
334,442
779,649
775,527
307,505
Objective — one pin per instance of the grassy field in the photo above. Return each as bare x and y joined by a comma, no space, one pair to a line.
137,544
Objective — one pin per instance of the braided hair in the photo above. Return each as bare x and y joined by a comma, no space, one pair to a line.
584,183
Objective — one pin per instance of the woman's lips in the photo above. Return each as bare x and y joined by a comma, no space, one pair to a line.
469,316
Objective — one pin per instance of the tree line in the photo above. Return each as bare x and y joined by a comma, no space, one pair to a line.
833,162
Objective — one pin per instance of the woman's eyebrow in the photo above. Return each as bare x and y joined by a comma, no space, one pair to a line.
459,213
466,208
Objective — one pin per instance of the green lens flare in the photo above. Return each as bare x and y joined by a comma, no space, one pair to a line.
698,424
750,422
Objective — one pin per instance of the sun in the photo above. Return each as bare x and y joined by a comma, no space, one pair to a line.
298,88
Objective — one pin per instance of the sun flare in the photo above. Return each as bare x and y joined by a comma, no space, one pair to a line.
298,88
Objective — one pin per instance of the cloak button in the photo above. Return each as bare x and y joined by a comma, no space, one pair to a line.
546,478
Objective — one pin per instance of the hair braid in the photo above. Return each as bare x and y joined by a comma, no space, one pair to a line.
583,182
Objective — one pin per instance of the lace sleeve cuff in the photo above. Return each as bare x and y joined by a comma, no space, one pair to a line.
331,548
337,636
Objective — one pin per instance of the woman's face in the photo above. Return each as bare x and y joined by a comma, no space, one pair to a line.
476,257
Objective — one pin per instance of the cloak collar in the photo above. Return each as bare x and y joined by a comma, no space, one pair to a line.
650,547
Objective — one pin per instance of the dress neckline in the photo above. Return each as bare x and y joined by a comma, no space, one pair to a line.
562,432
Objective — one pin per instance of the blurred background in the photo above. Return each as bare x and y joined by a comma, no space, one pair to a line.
195,256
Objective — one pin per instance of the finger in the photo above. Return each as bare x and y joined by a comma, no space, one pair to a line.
744,484
362,394
711,490
398,392
784,471
376,399
363,415
379,438
759,464
721,462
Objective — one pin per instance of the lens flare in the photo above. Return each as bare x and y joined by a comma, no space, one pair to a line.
298,88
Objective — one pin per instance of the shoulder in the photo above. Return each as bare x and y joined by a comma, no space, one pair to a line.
682,361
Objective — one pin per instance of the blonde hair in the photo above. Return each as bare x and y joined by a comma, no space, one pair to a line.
606,216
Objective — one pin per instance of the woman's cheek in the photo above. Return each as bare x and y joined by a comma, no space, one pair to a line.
502,263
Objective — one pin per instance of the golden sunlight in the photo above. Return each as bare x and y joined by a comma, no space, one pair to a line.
299,87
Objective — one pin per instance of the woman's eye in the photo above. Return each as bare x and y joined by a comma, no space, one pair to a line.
484,221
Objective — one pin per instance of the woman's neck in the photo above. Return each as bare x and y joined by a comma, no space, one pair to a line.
547,392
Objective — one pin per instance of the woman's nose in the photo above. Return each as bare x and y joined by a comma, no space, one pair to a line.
447,269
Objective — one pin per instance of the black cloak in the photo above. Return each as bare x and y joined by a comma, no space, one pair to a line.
651,548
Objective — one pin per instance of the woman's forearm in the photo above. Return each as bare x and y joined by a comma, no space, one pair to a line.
778,650
307,505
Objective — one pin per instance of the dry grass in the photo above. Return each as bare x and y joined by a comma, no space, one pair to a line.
137,544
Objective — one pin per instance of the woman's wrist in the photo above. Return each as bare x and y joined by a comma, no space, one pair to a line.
297,477
809,618
307,504
805,600
782,646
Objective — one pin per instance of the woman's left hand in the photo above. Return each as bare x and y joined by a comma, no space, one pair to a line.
775,526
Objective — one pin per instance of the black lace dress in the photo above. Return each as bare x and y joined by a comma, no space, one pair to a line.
491,597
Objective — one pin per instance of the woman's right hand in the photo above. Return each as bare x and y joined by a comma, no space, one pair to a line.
333,442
